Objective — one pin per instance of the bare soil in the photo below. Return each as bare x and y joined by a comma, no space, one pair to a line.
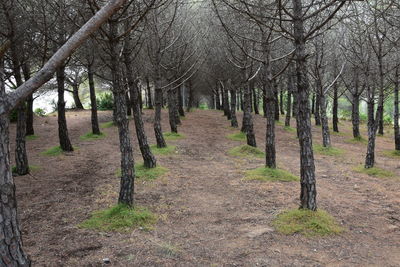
208,215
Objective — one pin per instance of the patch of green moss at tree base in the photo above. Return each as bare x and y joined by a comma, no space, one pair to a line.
270,175
237,136
92,136
327,151
120,218
307,223
164,150
173,136
246,151
147,174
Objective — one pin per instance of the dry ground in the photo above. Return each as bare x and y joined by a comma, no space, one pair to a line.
208,216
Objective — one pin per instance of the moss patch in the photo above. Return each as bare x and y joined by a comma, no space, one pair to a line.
237,136
306,222
246,151
358,140
173,136
327,151
107,124
53,151
147,174
31,137
289,129
270,175
392,153
91,136
120,218
164,150
32,168
375,172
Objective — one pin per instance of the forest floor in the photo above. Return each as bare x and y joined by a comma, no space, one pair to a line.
208,215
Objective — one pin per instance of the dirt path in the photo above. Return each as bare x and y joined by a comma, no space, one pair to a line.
208,216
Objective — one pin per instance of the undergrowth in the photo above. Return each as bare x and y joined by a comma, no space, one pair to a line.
328,151
246,151
164,150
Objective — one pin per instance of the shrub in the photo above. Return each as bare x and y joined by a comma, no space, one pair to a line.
105,101
40,112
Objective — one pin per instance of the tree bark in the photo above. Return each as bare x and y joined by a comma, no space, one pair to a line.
29,103
370,157
180,102
158,101
234,122
289,97
149,97
227,112
396,112
335,109
93,103
281,102
217,97
255,99
270,151
307,168
75,94
65,143
191,98
247,124
326,138
276,99
313,104
317,112
171,111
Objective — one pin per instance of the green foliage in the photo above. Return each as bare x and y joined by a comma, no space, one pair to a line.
120,218
327,151
40,112
375,172
344,114
306,222
53,151
13,115
270,175
164,150
357,140
91,136
237,136
387,120
107,124
363,118
31,137
173,136
105,101
246,151
147,174
392,153
203,106
32,168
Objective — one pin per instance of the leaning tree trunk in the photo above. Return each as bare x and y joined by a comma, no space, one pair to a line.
149,98
10,242
335,117
326,138
75,94
29,103
355,116
65,143
307,168
247,124
93,103
158,101
171,111
396,112
234,122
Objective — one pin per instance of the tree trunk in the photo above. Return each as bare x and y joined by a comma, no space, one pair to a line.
65,143
281,102
217,97
289,97
335,117
355,115
234,122
190,100
241,100
10,240
149,98
29,103
227,112
317,113
326,138
255,99
276,99
247,124
180,101
370,157
313,104
307,168
158,101
93,103
75,94
175,106
270,152
264,100
171,111
396,112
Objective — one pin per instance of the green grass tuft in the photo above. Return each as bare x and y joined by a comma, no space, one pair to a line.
53,151
246,151
107,124
270,175
163,151
358,140
173,136
91,136
147,174
120,218
392,153
375,172
306,222
237,136
32,168
327,151
289,129
31,137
